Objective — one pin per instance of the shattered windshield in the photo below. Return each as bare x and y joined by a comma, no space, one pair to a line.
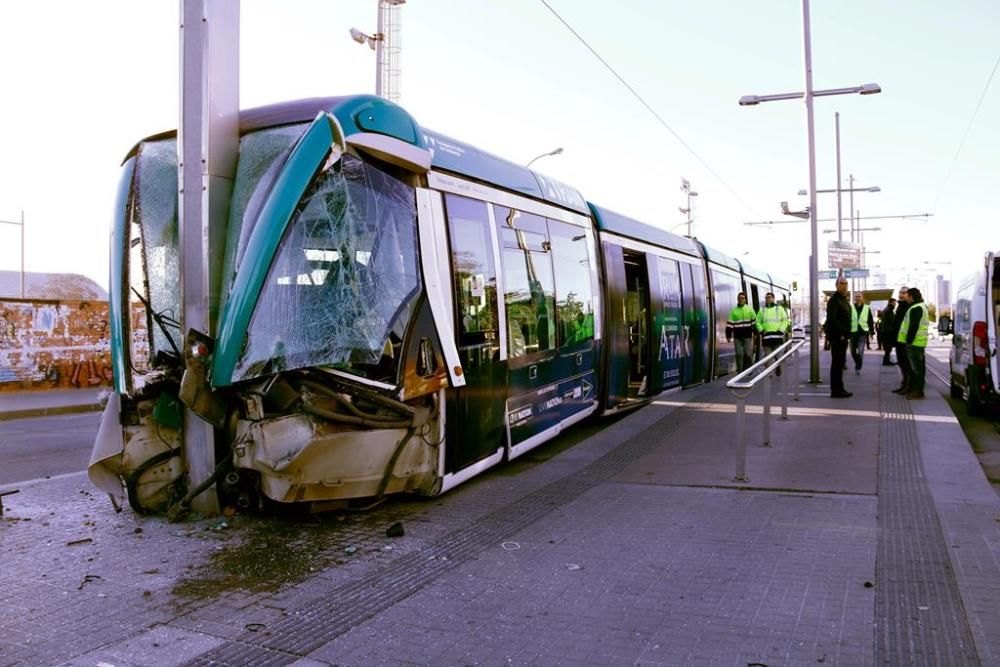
345,279
154,257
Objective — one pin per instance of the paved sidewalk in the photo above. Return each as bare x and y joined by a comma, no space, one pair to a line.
44,402
867,534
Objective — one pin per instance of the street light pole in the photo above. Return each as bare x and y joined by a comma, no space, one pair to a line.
813,231
809,94
379,42
686,189
840,234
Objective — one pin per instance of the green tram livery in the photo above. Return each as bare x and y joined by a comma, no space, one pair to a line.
398,312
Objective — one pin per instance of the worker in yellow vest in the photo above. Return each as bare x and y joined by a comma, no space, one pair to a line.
740,327
913,332
772,325
862,325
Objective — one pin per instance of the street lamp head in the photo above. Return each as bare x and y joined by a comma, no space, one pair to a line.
358,36
556,151
749,101
875,188
870,89
802,193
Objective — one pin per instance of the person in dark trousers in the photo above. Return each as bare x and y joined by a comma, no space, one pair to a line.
838,330
915,335
887,331
904,364
862,324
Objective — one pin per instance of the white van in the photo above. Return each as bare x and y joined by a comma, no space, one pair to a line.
973,357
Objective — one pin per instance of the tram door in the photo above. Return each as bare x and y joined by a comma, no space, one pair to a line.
696,305
475,412
637,319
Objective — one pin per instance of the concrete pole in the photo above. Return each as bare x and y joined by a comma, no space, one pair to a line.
207,144
813,229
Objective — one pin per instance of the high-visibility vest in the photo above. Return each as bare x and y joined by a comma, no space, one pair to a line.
772,322
920,340
860,320
741,321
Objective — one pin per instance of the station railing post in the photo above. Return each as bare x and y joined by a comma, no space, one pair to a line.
741,441
784,394
795,363
767,411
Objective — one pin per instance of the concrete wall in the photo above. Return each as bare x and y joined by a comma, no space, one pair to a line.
48,344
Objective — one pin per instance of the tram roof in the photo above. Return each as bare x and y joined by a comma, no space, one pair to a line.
447,154
616,223
755,273
720,258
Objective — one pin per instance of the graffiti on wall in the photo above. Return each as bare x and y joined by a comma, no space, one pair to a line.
58,344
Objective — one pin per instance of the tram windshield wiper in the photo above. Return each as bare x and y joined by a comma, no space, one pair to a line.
162,321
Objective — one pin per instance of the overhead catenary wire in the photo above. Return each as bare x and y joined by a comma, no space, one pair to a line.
649,108
965,135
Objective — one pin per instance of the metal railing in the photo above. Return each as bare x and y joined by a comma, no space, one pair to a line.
743,385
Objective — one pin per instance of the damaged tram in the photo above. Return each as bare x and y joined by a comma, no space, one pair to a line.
398,312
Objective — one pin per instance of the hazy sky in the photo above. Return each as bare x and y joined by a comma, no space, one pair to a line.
82,82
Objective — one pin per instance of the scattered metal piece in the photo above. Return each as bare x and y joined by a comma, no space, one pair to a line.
395,530
254,627
6,493
87,579
85,540
510,546
573,567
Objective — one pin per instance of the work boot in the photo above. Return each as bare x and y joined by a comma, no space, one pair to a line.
914,395
902,389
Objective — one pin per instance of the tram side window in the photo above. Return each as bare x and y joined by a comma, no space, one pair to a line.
473,270
529,293
574,291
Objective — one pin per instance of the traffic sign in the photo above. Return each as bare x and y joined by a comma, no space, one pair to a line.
844,254
848,273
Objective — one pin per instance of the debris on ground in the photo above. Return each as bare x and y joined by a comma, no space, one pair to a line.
395,530
85,540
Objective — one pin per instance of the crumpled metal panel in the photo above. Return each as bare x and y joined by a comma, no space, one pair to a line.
343,283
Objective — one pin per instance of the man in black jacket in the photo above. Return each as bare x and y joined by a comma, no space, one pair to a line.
887,331
838,330
901,359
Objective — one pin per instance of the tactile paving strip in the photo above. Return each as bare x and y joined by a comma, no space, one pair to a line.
920,619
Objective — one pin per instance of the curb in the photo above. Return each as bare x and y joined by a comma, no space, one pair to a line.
50,411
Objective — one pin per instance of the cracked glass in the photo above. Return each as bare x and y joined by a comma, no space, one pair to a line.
155,213
344,281
262,155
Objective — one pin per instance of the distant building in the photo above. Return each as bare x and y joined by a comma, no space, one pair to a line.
943,292
61,286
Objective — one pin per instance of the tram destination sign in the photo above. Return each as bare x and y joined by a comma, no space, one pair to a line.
845,255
